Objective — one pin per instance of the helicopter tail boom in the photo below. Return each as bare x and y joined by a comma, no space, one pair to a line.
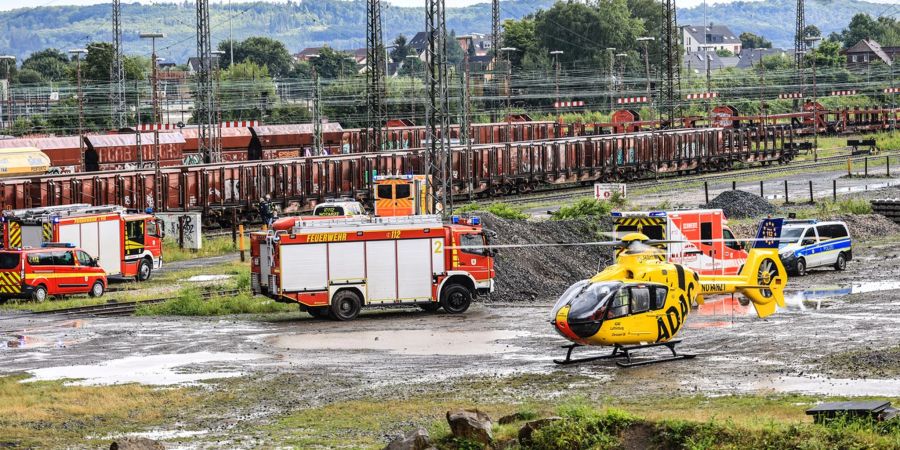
762,281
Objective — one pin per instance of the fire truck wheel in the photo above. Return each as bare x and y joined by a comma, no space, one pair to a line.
40,293
97,289
318,312
455,299
144,270
345,305
430,307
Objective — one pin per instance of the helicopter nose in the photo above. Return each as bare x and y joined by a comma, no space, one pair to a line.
562,324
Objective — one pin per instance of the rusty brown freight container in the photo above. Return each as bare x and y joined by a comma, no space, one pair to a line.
119,151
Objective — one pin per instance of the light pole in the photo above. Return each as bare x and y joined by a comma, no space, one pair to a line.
612,87
646,40
317,119
556,54
154,94
508,50
9,101
412,96
709,116
620,57
810,44
78,52
893,115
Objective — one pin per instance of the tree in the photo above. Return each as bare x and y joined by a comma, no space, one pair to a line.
51,64
455,52
812,31
247,91
584,31
884,30
412,67
827,54
521,35
401,49
751,40
261,51
97,65
28,76
334,64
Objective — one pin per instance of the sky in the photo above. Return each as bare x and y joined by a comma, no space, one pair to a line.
12,4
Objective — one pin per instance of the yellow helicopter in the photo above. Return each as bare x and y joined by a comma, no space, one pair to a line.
641,301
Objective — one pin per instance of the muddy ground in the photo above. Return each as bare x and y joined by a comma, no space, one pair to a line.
296,362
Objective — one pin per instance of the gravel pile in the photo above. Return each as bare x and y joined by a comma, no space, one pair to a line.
741,204
867,226
544,273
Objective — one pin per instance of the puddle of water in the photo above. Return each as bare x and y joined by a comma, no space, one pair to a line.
157,370
202,278
831,386
161,435
828,292
404,342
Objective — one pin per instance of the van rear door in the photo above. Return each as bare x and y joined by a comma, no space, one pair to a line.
10,273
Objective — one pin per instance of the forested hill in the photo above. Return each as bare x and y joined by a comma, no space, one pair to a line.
341,23
774,19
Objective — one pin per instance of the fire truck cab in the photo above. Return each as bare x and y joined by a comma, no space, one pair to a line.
126,243
709,247
56,269
334,268
401,195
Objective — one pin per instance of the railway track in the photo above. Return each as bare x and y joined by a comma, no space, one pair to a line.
567,192
123,308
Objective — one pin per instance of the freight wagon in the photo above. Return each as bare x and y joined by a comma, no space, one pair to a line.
483,170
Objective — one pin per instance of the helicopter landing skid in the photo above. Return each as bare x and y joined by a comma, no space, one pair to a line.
620,351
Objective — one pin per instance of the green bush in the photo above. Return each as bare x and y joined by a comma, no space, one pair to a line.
844,206
583,427
584,208
499,209
214,246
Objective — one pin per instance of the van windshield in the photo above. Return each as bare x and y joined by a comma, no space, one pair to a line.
9,260
790,236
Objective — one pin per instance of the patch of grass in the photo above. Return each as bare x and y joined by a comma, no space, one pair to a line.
190,302
48,414
830,207
584,208
499,209
214,246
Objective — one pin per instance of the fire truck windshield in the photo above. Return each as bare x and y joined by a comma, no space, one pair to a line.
9,260
472,243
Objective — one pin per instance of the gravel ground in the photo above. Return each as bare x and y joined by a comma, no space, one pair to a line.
397,353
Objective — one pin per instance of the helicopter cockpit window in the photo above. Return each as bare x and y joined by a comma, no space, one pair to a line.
659,297
640,299
585,299
619,306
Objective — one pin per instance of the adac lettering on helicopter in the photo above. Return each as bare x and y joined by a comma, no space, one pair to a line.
674,318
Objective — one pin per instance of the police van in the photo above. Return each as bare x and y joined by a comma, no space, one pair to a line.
807,244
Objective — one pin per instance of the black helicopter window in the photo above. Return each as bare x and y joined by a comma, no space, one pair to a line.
640,299
659,297
619,306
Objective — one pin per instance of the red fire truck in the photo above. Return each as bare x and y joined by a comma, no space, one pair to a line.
126,243
708,246
335,267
